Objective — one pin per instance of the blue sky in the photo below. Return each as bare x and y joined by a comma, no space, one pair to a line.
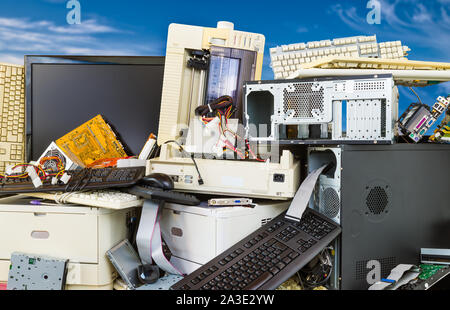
139,27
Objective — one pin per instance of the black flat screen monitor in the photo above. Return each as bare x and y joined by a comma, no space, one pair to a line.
64,92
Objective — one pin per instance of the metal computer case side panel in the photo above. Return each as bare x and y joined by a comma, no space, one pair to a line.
326,197
327,194
393,205
360,109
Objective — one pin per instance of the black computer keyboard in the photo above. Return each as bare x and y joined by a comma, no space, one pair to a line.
149,192
84,179
267,258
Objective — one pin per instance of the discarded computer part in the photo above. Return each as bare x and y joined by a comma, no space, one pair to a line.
435,256
203,64
211,138
53,157
330,110
442,134
90,142
150,148
34,272
418,119
230,202
12,116
126,261
405,72
286,59
268,180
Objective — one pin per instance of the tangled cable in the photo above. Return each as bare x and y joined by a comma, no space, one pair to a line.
220,105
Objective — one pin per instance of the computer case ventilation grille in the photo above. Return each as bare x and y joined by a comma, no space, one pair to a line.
330,203
327,193
387,264
303,100
377,200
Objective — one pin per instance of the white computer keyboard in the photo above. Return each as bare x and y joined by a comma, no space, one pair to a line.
286,59
100,199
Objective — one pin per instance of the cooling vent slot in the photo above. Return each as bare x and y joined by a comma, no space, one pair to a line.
303,100
361,86
383,119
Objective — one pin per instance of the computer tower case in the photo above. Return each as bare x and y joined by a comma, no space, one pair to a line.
390,200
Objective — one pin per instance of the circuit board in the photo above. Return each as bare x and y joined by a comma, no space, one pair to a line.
32,272
428,271
90,142
12,115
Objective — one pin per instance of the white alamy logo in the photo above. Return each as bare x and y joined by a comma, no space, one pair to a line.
374,16
74,15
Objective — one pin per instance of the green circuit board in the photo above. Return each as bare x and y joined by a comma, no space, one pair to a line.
428,271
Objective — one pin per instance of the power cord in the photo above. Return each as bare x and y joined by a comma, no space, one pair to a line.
320,273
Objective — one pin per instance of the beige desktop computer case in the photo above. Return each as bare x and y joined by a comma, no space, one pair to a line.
80,234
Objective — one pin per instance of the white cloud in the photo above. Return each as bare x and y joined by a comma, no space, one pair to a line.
407,20
86,27
11,59
19,36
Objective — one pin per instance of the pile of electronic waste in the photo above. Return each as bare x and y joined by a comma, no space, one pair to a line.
222,133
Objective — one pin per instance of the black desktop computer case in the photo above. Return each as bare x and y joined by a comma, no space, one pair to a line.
390,200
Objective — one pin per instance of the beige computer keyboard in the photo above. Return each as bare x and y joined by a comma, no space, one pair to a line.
288,58
12,115
332,62
405,72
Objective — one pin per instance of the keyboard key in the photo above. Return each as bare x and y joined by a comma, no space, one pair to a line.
259,281
280,266
274,270
280,246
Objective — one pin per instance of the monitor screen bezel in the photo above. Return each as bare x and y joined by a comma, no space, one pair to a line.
31,60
